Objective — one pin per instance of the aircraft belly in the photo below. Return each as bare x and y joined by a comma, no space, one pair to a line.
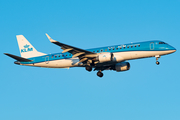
144,54
64,63
121,56
68,63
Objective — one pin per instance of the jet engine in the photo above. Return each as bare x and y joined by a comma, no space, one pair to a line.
105,57
123,66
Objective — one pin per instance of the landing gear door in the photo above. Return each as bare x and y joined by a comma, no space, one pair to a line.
47,59
152,46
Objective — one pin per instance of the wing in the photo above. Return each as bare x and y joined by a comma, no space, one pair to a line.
76,52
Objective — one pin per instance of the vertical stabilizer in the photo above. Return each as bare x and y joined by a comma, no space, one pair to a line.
26,49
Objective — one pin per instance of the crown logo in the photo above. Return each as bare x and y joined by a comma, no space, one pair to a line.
26,46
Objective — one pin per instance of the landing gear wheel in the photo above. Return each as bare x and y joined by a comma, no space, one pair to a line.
157,57
100,74
89,68
157,62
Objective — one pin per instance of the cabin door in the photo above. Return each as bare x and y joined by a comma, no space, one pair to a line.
151,46
47,59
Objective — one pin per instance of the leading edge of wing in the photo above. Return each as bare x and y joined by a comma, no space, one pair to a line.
68,48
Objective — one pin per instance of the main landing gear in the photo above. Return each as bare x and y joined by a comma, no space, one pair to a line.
157,57
99,73
88,68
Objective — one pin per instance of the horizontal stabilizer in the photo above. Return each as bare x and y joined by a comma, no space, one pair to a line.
21,59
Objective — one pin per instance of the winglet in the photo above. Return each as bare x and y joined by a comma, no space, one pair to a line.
50,39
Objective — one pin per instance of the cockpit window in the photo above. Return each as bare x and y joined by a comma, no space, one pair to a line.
162,43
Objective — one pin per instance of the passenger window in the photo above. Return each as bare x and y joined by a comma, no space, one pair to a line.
124,47
113,48
105,49
93,51
101,50
66,54
69,54
116,48
135,46
59,56
52,56
131,46
55,56
120,47
109,49
97,50
127,46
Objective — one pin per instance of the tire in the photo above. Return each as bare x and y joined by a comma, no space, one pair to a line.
100,74
89,68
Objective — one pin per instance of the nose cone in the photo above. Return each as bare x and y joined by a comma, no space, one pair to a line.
173,49
170,49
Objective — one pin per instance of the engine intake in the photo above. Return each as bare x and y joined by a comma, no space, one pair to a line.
123,66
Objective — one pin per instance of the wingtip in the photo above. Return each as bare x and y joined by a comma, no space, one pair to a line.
48,36
50,39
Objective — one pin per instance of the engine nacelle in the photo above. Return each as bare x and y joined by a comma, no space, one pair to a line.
123,66
105,57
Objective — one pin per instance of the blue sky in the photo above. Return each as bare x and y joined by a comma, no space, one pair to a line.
146,91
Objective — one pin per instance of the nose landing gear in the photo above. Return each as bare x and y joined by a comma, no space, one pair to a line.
157,57
157,62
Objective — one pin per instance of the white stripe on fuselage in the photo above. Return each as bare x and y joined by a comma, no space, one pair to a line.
118,57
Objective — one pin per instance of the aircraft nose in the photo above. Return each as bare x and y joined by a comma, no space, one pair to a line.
174,49
171,48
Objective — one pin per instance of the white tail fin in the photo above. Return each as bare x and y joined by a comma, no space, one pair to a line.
26,49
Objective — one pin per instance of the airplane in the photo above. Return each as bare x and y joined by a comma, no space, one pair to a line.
104,58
